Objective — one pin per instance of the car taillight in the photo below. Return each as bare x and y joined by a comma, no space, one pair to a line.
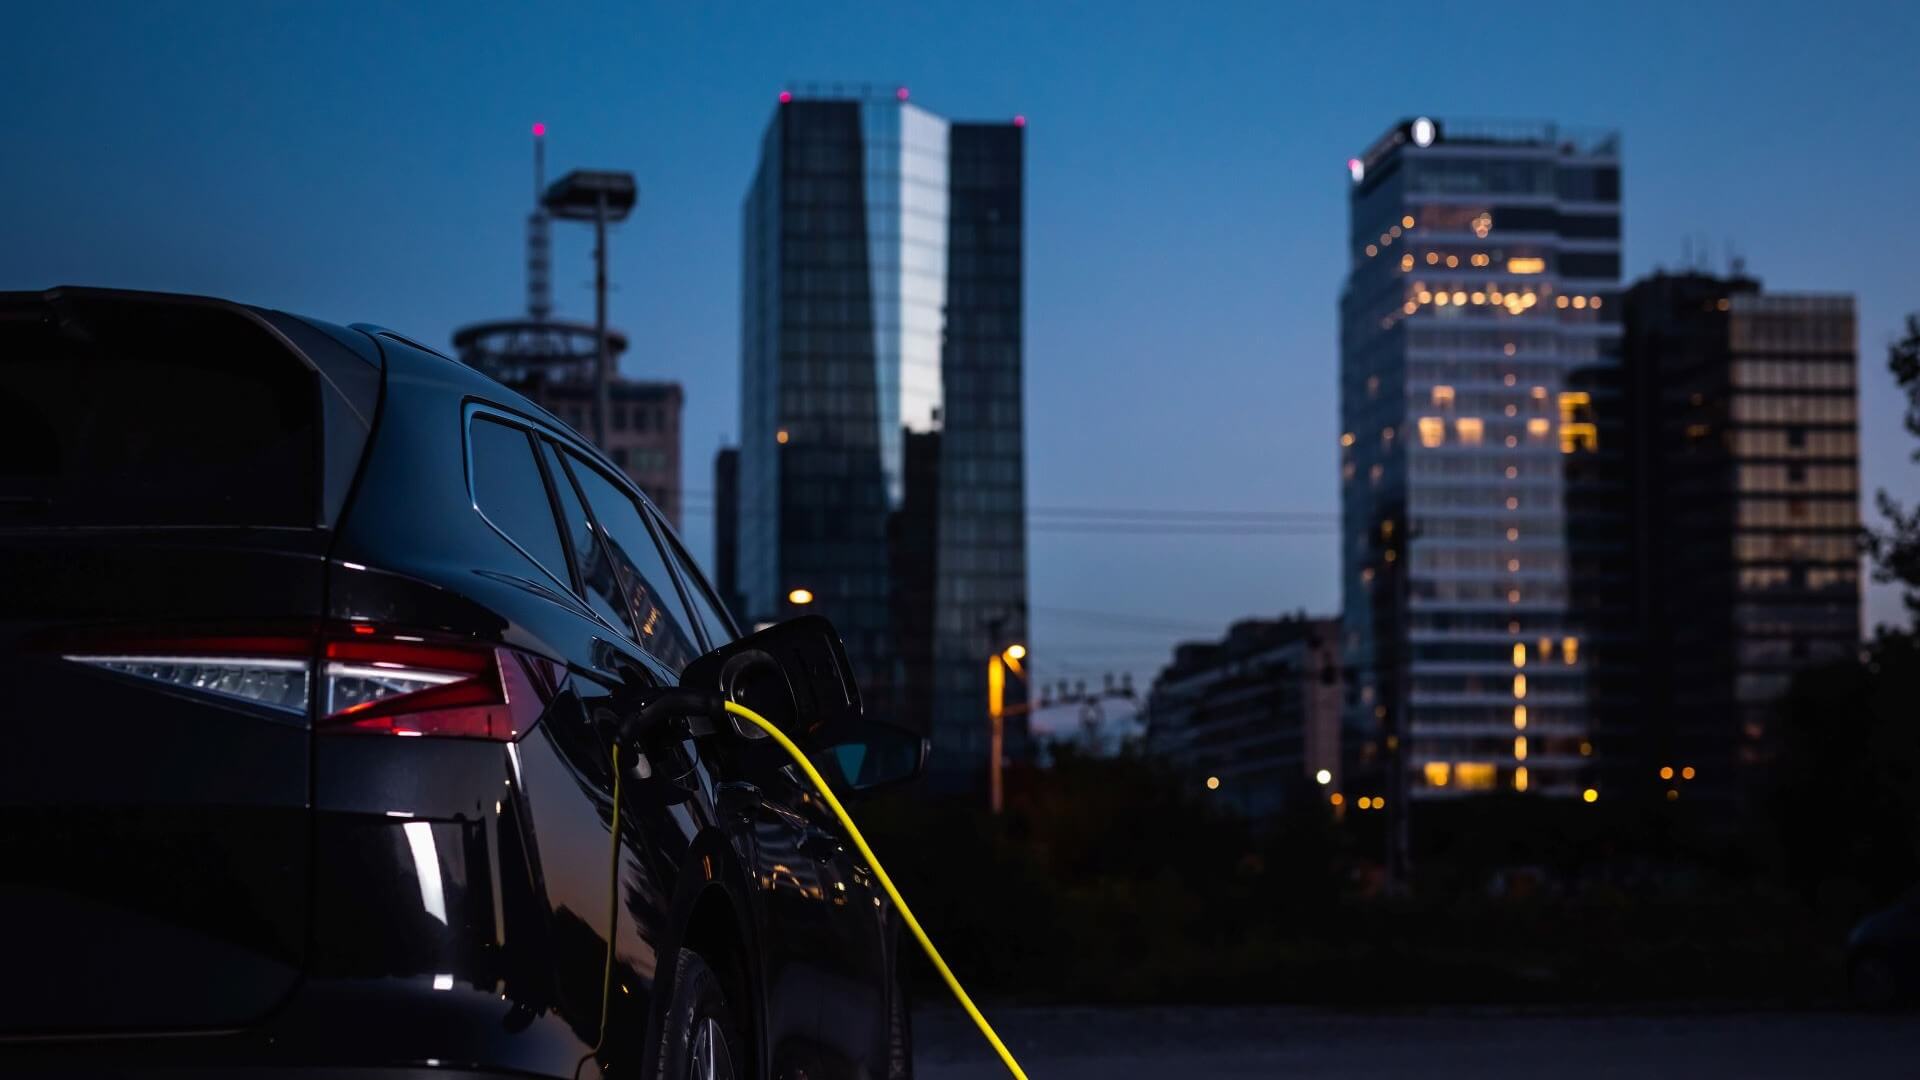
372,684
407,688
277,682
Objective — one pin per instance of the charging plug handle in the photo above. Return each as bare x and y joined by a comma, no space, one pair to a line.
694,710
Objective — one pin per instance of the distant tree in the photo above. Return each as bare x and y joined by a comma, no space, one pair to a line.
1895,548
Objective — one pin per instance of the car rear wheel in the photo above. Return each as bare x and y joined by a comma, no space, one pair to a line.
700,1040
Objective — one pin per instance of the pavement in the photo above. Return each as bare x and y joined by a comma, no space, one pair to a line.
1195,1042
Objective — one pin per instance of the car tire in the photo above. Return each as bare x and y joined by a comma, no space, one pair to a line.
900,1033
699,1037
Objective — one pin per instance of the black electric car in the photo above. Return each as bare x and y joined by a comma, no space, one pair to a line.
316,646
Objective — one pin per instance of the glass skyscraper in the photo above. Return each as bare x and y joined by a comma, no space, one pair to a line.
1477,324
881,467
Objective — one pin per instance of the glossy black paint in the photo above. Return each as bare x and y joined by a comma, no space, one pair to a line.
203,884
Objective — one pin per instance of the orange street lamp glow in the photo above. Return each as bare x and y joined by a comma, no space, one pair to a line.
1213,783
800,596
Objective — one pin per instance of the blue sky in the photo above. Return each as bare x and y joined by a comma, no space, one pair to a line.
1185,214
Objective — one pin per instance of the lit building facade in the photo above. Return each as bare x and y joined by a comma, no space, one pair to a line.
881,466
1746,461
1255,716
1481,304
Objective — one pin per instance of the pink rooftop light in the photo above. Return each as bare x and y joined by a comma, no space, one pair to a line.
1020,121
786,96
901,93
539,129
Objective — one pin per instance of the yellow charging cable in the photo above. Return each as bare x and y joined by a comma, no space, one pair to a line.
906,913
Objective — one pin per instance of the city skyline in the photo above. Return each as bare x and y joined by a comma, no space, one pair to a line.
1186,218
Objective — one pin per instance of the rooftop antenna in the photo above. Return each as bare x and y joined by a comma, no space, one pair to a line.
539,236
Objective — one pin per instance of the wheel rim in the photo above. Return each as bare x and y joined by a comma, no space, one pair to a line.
711,1059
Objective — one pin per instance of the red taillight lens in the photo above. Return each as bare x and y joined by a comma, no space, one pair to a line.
403,688
371,683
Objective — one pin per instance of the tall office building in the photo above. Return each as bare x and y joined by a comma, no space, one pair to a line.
1746,468
881,474
1479,316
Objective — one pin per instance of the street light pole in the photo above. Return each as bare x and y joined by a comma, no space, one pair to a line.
600,393
997,729
602,197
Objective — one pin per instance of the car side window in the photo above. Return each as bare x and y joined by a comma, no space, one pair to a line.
705,608
663,623
596,570
509,492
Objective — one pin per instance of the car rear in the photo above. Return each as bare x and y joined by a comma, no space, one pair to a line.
169,470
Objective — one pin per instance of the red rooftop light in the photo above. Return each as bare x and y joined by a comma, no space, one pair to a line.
1020,121
786,96
539,130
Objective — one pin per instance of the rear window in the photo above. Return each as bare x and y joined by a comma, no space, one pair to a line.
134,413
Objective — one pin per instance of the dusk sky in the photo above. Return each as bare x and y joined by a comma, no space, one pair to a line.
1186,205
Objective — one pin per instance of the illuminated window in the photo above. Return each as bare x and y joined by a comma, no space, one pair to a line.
1539,426
1433,257
1577,432
1471,430
1406,261
1520,778
1519,718
1372,250
1519,686
1474,775
1346,439
1519,748
1438,773
1559,301
1526,266
1513,534
1579,303
1433,431
1519,652
1482,225
1570,649
1441,299
1479,298
1407,221
1460,298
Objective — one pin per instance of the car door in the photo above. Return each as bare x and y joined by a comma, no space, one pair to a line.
822,893
673,804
